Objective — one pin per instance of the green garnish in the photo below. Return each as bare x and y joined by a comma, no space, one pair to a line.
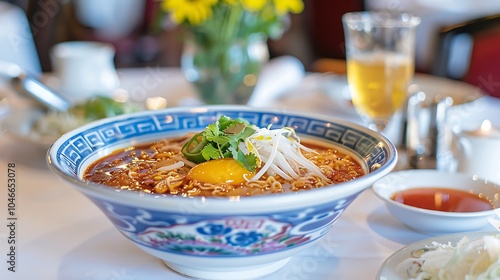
100,107
192,149
221,139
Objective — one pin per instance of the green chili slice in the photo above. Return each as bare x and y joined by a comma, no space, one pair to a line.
192,148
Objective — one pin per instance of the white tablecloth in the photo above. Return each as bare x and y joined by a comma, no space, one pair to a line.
60,234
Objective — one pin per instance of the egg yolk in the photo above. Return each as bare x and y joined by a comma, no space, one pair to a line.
220,171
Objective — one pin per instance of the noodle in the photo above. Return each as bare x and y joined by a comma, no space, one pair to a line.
161,168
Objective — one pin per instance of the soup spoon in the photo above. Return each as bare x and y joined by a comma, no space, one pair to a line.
28,86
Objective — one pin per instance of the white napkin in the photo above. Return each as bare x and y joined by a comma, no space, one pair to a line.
280,75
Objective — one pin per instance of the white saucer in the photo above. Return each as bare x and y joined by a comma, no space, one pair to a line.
19,124
389,269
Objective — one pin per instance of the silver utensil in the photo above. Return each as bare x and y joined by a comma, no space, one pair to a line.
29,86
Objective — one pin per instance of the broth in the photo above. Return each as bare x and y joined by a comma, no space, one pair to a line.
139,169
442,199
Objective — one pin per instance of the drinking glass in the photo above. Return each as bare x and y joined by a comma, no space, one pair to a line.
380,51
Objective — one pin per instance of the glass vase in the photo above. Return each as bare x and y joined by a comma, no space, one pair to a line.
224,72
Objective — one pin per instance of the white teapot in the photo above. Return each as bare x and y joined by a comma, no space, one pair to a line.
84,69
478,152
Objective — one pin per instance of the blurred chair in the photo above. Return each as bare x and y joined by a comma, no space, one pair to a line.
325,29
470,52
329,65
326,33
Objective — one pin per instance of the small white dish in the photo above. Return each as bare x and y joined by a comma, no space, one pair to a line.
19,124
37,127
391,268
432,221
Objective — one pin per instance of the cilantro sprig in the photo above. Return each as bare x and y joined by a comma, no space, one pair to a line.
221,140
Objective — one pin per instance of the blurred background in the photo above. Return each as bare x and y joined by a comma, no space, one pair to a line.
142,40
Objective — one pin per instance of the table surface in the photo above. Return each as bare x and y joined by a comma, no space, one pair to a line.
60,234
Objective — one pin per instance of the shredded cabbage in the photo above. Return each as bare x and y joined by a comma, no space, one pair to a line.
477,259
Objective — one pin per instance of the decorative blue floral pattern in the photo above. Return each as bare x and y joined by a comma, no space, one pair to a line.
243,239
223,235
213,229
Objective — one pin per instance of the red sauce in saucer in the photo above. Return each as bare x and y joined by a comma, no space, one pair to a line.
442,199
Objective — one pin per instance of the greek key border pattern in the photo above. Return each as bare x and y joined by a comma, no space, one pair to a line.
73,151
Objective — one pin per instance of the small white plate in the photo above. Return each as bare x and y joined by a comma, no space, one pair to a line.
19,124
461,92
389,269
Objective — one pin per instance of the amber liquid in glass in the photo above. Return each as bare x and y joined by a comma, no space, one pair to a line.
379,83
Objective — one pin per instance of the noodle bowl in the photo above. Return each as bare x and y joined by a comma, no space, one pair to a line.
160,167
223,237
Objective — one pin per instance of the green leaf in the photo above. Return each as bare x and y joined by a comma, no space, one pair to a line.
210,152
220,140
225,122
235,128
245,133
233,148
212,130
101,107
249,161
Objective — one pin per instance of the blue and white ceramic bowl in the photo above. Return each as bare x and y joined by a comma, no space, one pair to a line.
220,238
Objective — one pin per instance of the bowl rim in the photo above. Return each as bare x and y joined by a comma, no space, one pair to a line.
311,196
436,213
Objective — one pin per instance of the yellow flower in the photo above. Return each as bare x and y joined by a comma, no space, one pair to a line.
194,12
253,5
285,6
